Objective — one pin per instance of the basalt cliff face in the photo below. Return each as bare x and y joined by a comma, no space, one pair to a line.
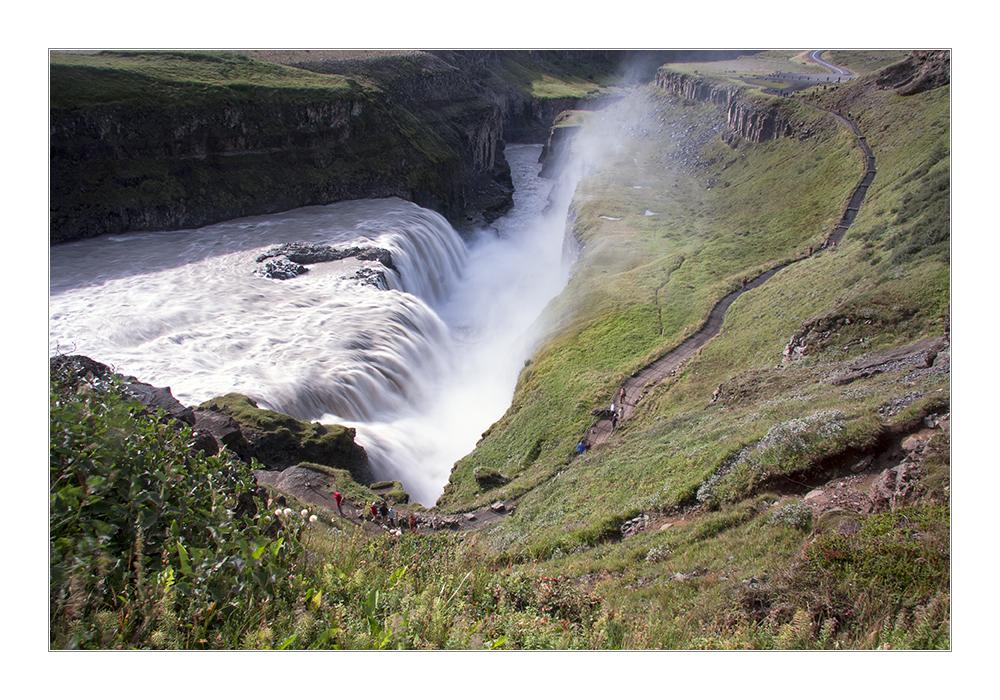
755,119
131,164
117,168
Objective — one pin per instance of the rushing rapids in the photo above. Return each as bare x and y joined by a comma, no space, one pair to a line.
420,369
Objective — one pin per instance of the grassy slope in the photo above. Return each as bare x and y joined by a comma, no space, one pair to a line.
644,283
891,272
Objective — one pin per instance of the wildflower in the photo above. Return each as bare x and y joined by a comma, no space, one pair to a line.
304,513
278,513
287,512
312,518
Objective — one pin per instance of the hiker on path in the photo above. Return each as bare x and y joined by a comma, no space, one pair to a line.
338,498
392,517
621,397
744,283
580,447
373,509
413,521
383,511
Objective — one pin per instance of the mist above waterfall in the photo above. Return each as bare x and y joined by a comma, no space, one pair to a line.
420,369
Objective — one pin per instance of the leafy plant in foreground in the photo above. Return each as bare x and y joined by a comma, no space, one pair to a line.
145,546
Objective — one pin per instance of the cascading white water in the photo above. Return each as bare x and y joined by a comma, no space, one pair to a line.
420,369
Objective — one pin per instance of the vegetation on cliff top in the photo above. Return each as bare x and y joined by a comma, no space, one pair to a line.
185,79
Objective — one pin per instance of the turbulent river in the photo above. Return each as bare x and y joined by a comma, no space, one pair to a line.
420,369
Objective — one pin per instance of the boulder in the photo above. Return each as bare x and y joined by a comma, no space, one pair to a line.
895,486
154,397
204,442
224,430
487,477
280,268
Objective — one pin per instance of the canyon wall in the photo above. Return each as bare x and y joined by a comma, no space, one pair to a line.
756,119
128,154
127,163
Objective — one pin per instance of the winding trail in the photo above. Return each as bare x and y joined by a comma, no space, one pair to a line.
635,387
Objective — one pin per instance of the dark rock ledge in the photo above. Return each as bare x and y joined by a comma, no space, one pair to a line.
232,422
289,260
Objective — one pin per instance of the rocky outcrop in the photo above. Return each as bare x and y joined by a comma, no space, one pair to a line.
289,260
555,152
312,253
918,72
232,422
74,369
487,478
279,441
754,119
280,269
923,353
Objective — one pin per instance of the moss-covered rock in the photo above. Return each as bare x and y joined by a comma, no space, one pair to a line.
279,441
391,491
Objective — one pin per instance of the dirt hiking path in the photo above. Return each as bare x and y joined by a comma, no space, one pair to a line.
633,389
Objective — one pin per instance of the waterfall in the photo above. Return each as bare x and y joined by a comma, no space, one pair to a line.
420,369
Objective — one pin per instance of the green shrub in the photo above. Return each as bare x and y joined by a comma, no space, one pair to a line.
794,514
145,545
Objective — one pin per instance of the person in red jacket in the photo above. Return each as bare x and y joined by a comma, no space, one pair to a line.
339,499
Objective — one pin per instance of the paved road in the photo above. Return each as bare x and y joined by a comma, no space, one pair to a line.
814,56
795,82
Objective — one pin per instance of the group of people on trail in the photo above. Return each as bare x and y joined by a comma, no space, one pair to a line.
381,512
378,512
616,416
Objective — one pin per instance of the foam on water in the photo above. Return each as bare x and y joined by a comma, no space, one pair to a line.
421,369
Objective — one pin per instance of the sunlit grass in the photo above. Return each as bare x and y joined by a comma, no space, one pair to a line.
181,78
